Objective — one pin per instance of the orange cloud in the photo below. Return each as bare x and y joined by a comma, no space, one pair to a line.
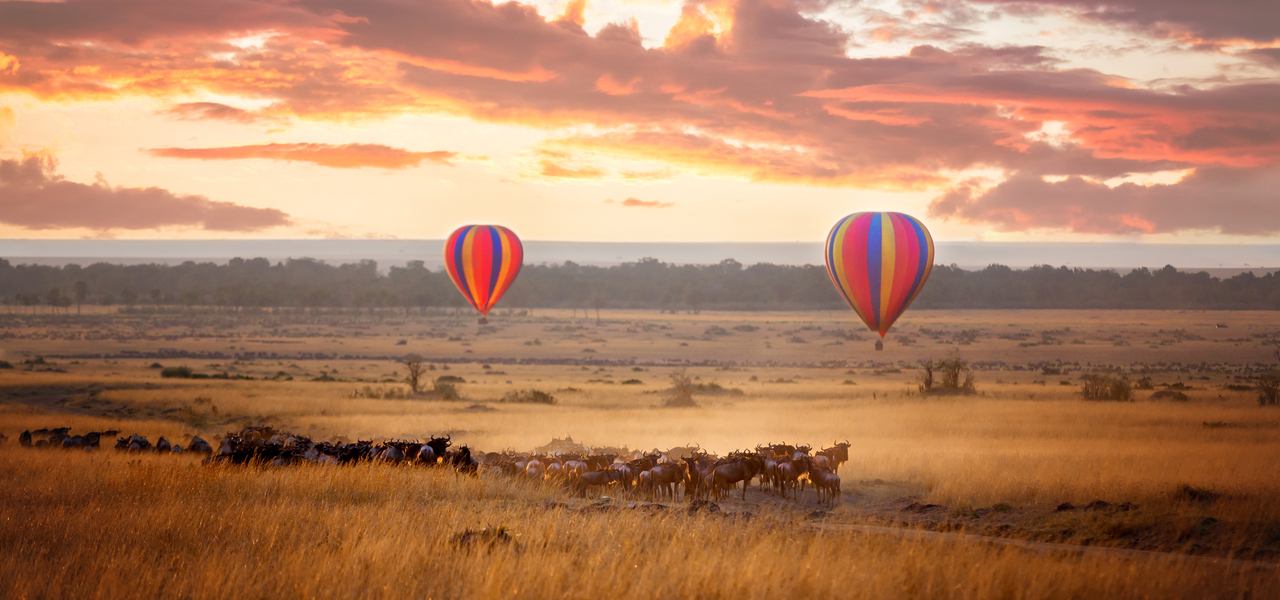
550,168
638,203
34,196
345,156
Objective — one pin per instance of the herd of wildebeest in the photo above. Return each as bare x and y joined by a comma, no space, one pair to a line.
784,469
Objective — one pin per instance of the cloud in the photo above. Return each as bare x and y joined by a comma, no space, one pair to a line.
194,111
6,121
551,168
757,89
638,203
1232,201
1192,20
344,156
34,196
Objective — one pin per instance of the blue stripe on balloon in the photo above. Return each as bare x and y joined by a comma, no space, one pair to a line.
923,247
496,262
458,266
874,251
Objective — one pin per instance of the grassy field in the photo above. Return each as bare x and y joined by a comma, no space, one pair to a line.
1166,498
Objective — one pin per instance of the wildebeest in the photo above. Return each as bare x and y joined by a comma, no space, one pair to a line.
200,446
739,466
837,454
591,479
826,484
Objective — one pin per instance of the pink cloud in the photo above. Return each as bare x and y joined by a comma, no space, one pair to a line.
34,196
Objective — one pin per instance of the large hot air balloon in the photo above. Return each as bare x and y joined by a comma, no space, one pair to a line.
483,260
879,262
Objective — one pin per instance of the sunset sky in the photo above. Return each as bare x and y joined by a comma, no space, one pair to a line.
645,120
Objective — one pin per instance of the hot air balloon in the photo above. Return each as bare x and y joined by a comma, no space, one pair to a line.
483,260
879,262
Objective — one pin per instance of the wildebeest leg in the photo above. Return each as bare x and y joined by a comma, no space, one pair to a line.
745,482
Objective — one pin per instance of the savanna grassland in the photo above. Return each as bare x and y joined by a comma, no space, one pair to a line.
1022,489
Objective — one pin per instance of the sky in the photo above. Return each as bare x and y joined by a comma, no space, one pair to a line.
1149,121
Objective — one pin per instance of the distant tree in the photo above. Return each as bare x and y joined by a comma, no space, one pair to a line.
1268,384
1107,386
947,376
413,365
81,292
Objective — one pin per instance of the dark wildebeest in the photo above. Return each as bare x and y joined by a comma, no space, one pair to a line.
666,478
592,479
827,485
199,445
24,439
740,466
163,445
836,455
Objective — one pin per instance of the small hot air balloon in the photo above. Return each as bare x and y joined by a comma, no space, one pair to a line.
483,260
879,262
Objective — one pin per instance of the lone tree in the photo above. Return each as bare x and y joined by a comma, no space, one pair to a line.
1107,386
414,367
1269,384
680,395
947,376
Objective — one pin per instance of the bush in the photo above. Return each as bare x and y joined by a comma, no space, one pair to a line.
4,364
449,379
177,372
445,390
680,394
1107,387
1174,395
530,396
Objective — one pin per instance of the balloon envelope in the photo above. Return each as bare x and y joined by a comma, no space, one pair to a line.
483,260
879,262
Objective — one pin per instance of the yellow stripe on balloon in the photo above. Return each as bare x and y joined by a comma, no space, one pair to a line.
468,269
887,249
506,262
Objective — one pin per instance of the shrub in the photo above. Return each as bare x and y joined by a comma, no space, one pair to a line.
177,372
1174,395
449,379
680,394
529,396
4,364
445,390
1101,386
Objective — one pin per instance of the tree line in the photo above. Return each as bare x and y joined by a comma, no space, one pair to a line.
647,284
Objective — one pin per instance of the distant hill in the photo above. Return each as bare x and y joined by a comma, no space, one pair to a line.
387,253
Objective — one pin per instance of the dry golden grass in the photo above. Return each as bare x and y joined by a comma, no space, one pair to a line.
111,525
108,525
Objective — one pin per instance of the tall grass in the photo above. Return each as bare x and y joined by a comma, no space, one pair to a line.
108,525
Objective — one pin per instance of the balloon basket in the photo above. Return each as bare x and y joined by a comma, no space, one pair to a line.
483,321
879,345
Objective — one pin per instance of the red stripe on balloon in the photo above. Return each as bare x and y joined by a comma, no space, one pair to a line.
855,266
905,256
482,266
